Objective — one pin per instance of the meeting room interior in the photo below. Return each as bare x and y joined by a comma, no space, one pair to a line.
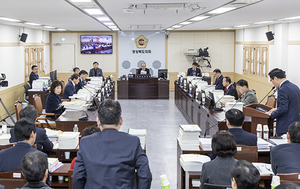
177,75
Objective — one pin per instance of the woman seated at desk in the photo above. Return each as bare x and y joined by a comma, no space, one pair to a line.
53,101
217,171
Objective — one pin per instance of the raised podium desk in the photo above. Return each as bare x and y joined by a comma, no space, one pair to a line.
143,88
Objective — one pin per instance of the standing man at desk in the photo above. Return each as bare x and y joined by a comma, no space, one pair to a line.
70,87
194,70
229,88
143,69
248,96
109,158
288,101
219,79
33,74
96,72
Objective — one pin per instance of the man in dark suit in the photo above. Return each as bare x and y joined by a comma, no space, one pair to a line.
33,74
143,69
96,72
70,89
42,141
109,158
194,70
83,75
229,88
285,157
219,79
288,101
234,121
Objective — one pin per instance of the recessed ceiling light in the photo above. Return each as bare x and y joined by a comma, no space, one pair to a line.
199,18
113,27
186,23
50,27
225,28
264,22
292,18
103,18
31,23
10,19
81,1
169,29
176,26
221,10
93,11
61,29
241,26
108,23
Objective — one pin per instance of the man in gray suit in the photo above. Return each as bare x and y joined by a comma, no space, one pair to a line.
248,96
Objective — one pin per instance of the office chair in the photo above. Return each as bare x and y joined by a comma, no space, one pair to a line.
289,177
26,87
248,153
12,179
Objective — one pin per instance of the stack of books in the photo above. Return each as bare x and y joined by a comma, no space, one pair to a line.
193,162
263,145
205,144
141,133
189,137
68,140
54,164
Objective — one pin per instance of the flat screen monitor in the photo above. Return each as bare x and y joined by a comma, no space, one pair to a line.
53,75
163,73
96,44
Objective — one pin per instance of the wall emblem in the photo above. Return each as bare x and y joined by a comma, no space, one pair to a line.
141,42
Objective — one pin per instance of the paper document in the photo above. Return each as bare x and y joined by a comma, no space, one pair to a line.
190,128
264,169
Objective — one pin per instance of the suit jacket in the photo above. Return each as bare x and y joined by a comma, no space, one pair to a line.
32,185
248,98
109,159
2,187
285,158
190,72
217,171
242,137
138,71
31,78
54,104
231,91
97,73
288,106
69,90
79,85
219,83
42,141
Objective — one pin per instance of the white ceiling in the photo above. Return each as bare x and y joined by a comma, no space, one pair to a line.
61,14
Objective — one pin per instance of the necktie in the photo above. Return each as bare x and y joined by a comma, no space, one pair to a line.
225,89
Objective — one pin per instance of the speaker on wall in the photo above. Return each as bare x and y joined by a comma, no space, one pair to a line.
270,35
23,37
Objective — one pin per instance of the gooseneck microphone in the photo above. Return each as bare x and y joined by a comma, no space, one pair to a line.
211,127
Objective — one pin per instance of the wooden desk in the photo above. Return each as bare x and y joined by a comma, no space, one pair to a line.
143,88
60,154
42,94
63,171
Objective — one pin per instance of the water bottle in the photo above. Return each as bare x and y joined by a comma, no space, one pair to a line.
75,128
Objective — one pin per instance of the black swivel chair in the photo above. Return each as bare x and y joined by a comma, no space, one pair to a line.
26,87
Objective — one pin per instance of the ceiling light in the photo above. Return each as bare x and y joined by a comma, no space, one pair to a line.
292,18
241,26
113,27
103,18
61,29
186,23
264,22
221,10
176,26
225,28
31,23
50,27
81,1
108,23
9,19
169,29
93,11
199,18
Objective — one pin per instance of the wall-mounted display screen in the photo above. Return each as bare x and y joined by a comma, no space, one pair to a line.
96,44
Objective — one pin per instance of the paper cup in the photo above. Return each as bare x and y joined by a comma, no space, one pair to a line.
60,178
165,184
275,181
67,155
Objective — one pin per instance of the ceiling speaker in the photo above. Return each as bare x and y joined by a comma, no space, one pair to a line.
23,37
270,35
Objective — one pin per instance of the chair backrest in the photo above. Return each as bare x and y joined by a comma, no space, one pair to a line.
26,87
37,102
18,108
271,101
62,89
248,153
4,146
12,179
289,177
70,177
215,186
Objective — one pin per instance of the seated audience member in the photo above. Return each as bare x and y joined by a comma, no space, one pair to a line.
194,70
25,133
288,185
86,132
219,79
143,69
42,141
244,175
70,87
109,158
217,171
285,157
229,88
53,101
82,76
2,187
234,121
76,70
35,170
248,96
33,74
96,72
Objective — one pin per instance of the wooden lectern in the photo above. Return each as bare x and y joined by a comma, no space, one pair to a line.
258,117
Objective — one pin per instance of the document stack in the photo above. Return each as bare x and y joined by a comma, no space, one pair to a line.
4,139
54,164
189,137
264,169
205,144
141,133
68,140
263,145
193,162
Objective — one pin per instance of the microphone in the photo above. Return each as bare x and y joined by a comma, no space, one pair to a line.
261,109
211,127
